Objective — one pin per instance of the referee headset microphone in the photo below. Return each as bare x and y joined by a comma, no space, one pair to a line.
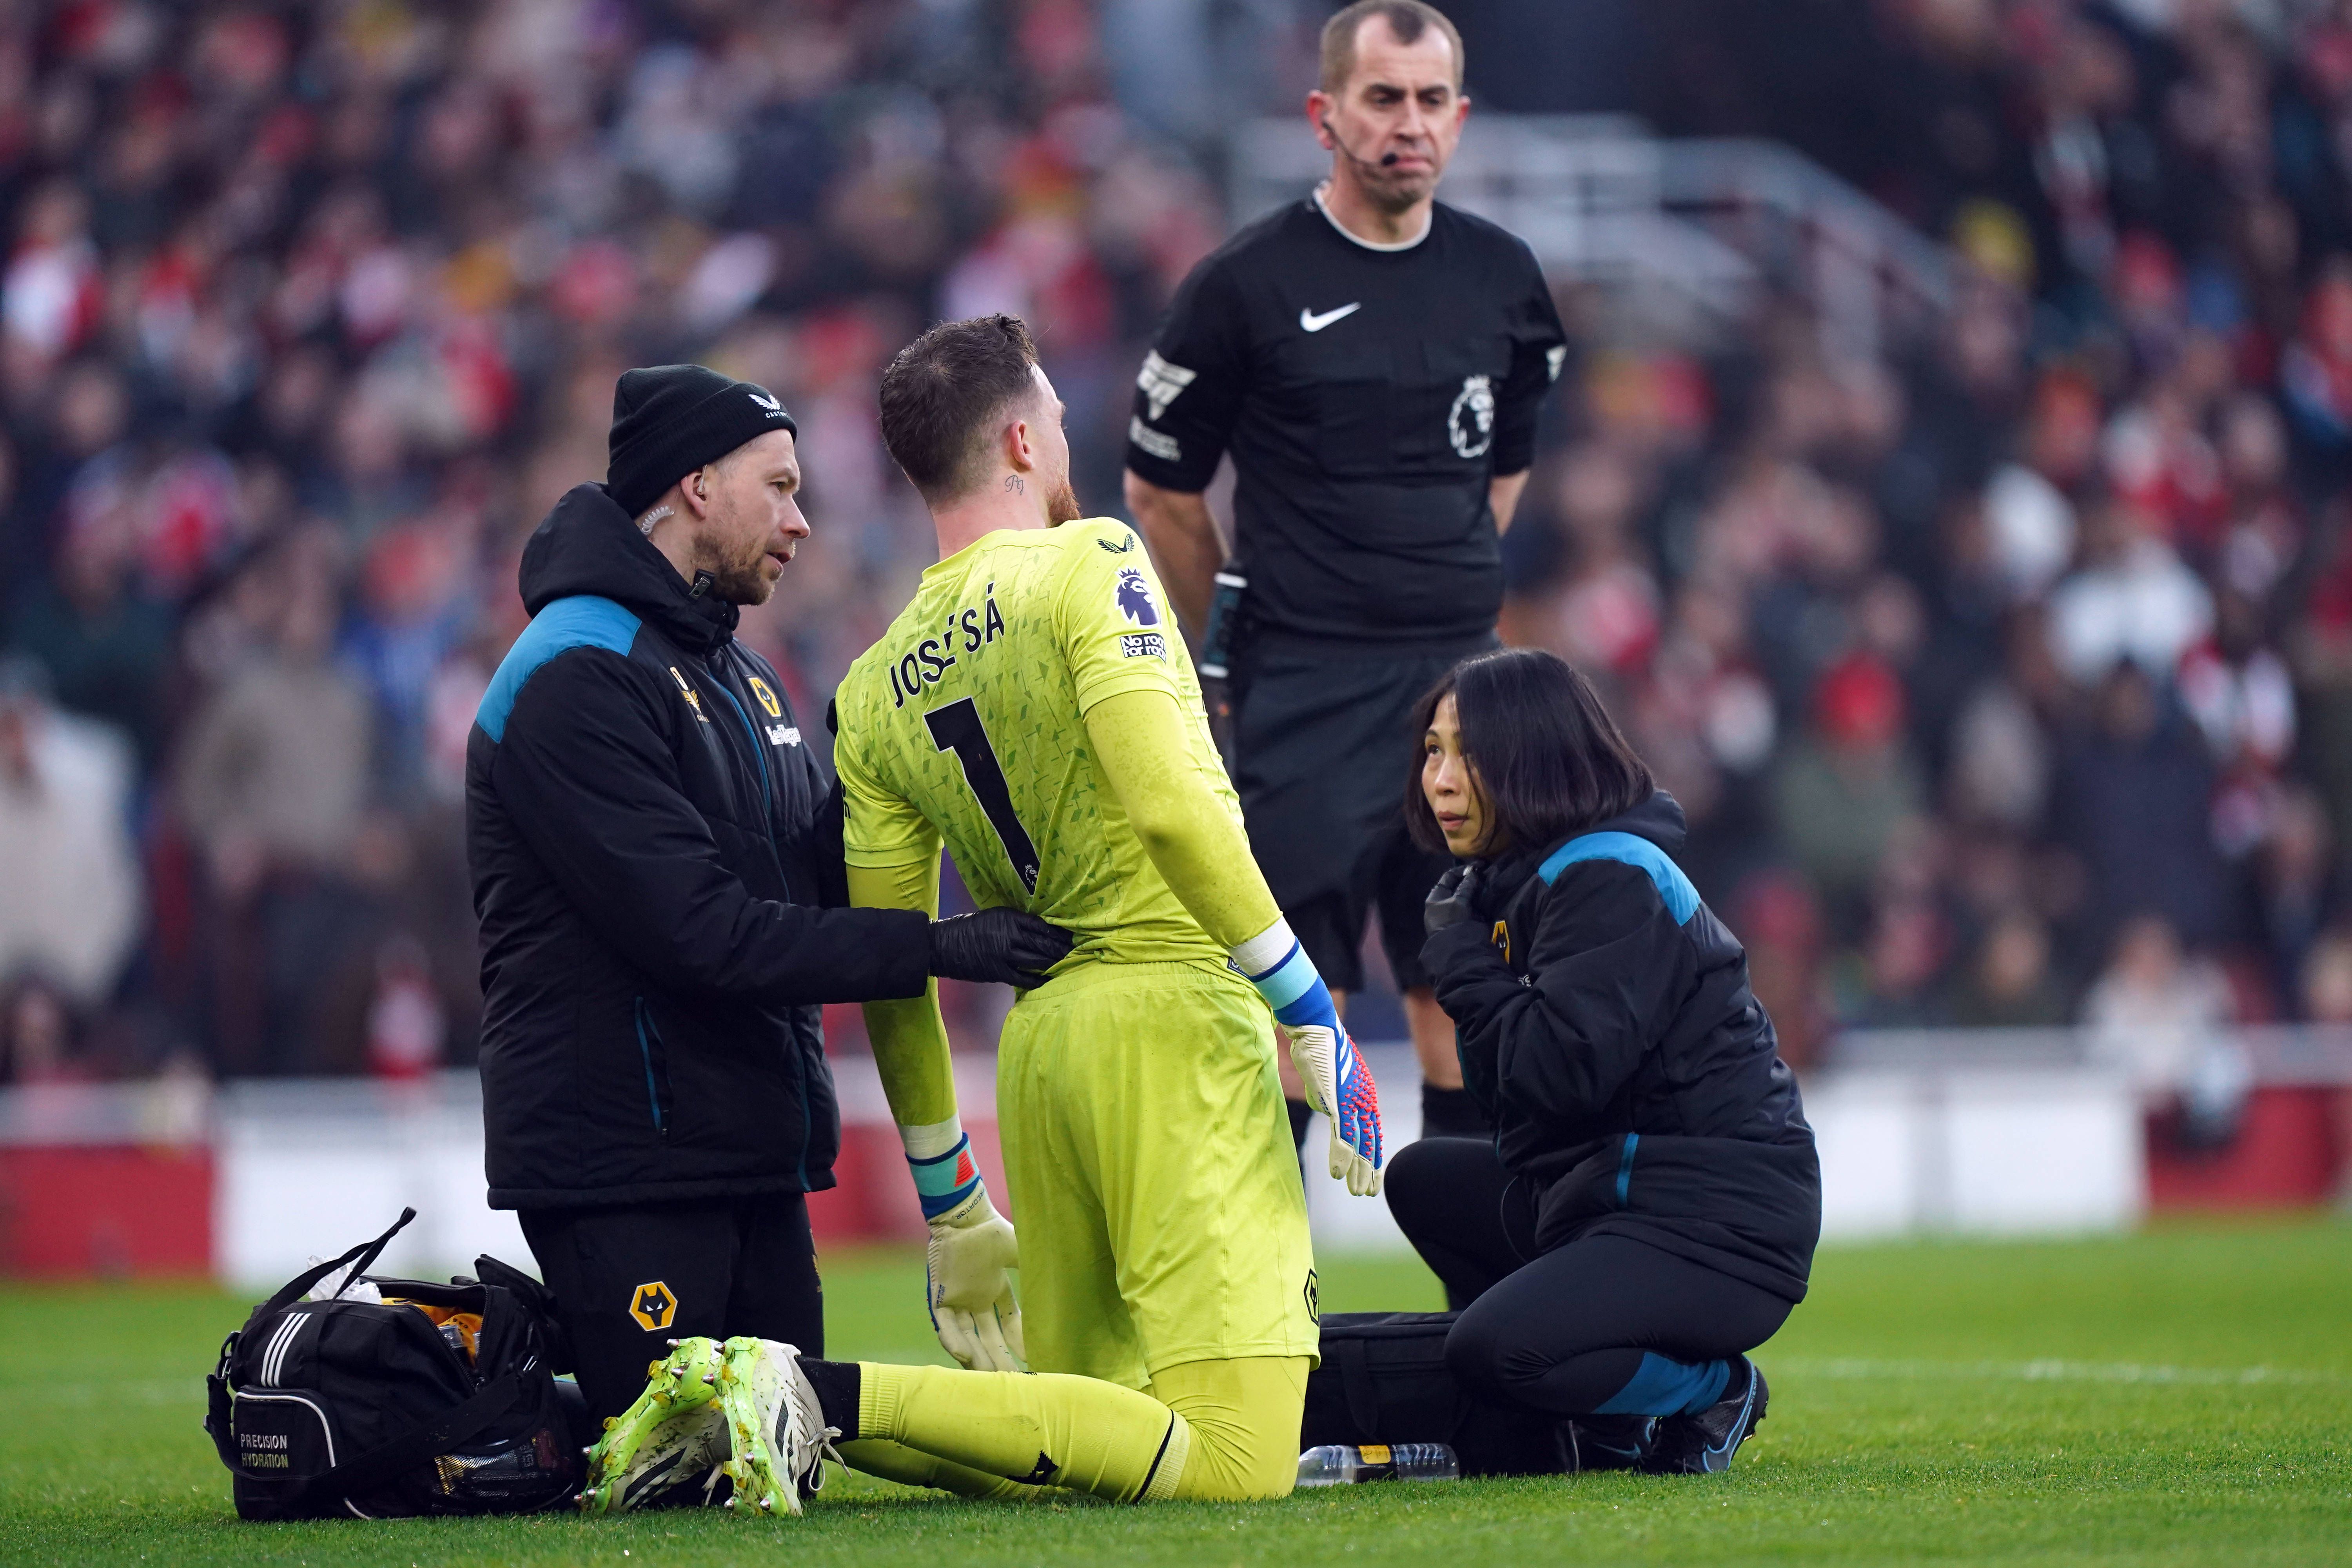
1388,160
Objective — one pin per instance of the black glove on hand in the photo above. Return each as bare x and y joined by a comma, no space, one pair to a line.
997,947
1453,900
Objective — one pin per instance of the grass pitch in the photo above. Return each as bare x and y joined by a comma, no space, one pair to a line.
2183,1396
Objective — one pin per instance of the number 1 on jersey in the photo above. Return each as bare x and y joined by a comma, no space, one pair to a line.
957,727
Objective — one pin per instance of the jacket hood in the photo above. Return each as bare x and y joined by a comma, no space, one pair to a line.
1658,819
588,545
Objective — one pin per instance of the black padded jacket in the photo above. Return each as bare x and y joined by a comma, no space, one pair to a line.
643,824
1605,1022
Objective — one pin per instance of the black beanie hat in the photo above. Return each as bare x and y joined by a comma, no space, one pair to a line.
669,420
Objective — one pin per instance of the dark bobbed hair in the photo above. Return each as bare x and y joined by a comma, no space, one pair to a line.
943,392
1549,760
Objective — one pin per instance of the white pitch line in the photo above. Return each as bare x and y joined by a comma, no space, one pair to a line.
2054,1371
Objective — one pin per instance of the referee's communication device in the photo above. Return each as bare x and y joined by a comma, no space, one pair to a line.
1225,616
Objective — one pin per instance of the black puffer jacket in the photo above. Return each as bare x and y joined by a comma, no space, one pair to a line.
1606,1023
642,819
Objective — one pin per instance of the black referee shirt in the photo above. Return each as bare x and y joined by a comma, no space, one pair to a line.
1369,395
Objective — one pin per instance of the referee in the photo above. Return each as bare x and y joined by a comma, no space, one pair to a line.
1374,361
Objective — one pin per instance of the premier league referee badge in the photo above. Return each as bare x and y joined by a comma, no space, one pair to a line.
1471,424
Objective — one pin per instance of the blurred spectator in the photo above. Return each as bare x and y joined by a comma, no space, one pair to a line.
69,897
2133,599
2030,525
273,786
2326,993
404,1025
1843,790
1605,617
1782,930
2008,983
68,419
2157,1015
36,1036
2325,984
2132,802
2294,887
1899,968
273,773
2000,762
106,643
2320,646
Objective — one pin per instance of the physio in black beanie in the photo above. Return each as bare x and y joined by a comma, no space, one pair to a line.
671,419
660,902
706,469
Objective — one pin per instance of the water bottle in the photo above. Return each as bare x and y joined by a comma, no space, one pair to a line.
1334,1464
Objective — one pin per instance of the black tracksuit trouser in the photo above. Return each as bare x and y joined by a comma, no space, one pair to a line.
629,1280
1567,1330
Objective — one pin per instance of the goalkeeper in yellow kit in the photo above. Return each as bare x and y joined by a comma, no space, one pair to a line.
1033,708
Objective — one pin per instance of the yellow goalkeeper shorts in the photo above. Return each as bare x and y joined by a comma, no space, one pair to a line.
1153,1179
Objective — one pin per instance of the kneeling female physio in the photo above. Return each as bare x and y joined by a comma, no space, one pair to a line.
1647,1211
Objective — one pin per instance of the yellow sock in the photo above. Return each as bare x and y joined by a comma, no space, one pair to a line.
897,1462
1244,1416
1038,1429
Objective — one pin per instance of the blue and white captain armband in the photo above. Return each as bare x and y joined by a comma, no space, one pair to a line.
939,1154
1274,962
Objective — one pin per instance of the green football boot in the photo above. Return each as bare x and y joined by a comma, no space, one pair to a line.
774,1427
669,1437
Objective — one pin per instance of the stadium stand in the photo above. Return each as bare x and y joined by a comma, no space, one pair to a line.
2005,669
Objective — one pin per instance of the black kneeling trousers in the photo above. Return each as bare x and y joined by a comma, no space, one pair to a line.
627,1281
1567,1330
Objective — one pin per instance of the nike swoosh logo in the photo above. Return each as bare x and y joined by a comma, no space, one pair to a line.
1311,321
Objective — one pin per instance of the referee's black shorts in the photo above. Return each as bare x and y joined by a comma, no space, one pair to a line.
1323,747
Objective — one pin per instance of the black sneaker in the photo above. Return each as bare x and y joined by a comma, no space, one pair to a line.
1606,1442
1695,1445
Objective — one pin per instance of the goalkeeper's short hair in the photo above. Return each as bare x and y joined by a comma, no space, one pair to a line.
941,394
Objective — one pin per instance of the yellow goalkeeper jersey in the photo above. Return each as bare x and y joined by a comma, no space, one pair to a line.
967,721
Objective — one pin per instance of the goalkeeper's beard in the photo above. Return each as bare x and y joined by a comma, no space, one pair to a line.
1061,505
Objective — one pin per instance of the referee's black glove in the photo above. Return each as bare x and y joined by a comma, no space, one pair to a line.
1453,900
997,947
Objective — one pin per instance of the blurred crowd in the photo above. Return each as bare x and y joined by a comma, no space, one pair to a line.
307,315
2007,678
